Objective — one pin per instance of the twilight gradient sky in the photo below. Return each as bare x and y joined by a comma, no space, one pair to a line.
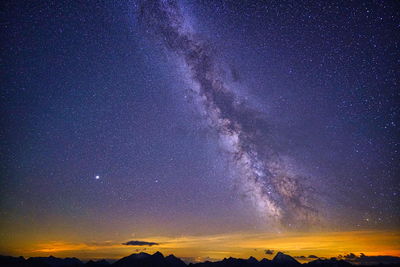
213,128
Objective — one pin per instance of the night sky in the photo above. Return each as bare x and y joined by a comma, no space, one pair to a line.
209,128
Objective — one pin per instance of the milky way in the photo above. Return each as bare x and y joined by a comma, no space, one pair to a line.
278,193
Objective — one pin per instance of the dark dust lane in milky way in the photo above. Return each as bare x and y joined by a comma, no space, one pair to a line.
274,187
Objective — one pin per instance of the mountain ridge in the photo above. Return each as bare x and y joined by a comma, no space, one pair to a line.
157,259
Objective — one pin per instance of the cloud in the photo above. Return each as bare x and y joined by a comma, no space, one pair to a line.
269,251
370,260
299,257
311,257
350,256
140,243
189,260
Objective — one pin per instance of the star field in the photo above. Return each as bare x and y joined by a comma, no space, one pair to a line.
148,118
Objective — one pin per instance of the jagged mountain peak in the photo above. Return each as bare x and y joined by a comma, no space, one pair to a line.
252,259
282,258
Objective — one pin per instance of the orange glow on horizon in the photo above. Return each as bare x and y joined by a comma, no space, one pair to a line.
239,245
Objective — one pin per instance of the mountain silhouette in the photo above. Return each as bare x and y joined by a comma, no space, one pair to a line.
158,260
97,263
146,260
280,260
284,260
53,262
227,262
329,263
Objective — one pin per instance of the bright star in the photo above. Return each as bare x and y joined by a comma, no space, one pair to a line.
97,177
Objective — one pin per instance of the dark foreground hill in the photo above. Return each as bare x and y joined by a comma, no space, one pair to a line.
158,260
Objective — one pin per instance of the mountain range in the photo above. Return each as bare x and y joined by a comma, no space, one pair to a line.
158,260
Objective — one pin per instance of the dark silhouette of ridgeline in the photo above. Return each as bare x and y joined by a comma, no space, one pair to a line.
158,260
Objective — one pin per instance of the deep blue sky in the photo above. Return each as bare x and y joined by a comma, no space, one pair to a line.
88,90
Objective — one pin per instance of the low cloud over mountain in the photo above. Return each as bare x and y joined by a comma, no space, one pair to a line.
140,243
370,260
269,251
306,258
